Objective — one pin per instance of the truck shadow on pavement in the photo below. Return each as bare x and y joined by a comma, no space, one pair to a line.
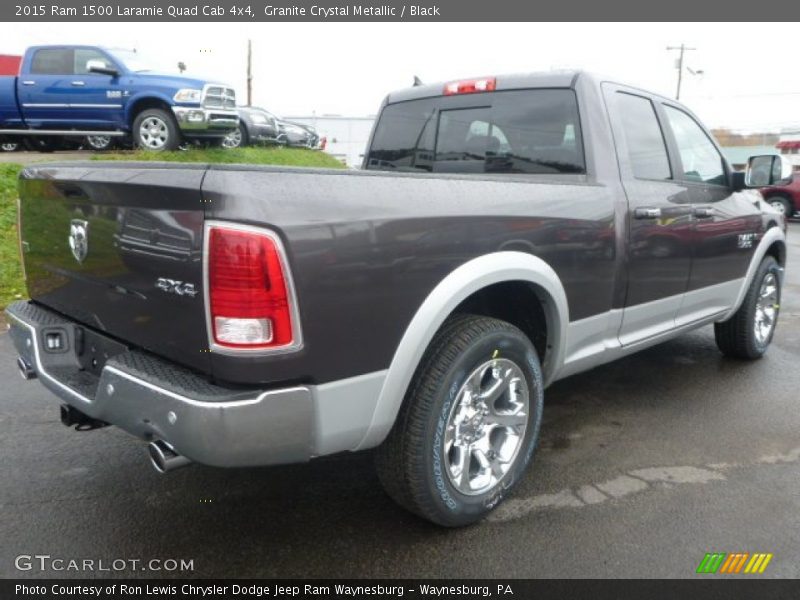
96,495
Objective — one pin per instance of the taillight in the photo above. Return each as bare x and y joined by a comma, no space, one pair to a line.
470,86
249,291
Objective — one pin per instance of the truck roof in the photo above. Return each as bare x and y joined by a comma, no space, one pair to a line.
541,79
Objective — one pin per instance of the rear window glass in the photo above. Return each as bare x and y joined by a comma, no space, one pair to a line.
526,131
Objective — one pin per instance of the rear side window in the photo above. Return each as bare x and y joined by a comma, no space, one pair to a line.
526,131
646,147
53,61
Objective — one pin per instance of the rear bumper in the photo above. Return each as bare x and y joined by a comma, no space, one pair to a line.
204,122
155,399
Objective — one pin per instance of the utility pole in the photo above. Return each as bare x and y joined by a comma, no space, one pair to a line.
683,48
249,73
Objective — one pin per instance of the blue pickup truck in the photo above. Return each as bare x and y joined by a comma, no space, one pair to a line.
87,90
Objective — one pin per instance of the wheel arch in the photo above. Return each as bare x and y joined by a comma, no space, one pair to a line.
773,243
465,288
140,103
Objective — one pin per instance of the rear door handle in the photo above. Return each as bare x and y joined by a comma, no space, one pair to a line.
78,83
29,82
703,212
647,213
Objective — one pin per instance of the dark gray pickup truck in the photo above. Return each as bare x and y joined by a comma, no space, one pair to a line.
504,233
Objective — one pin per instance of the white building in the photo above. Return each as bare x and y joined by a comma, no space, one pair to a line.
789,145
347,137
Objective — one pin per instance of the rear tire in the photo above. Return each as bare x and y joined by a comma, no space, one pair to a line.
155,130
100,143
37,143
456,449
748,333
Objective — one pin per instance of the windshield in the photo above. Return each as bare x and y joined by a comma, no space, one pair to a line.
139,63
520,131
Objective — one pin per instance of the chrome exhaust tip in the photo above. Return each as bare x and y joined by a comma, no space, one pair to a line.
26,370
164,458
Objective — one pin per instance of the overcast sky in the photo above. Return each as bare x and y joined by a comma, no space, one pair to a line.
749,80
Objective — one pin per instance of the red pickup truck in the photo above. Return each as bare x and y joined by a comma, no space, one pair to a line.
9,64
784,198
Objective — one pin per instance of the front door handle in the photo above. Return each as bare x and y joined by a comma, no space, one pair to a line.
78,83
647,213
703,212
28,82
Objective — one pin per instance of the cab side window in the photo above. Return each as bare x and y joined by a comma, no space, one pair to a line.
52,61
82,58
646,147
701,160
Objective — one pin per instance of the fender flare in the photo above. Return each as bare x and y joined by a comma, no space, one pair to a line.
464,281
144,95
772,235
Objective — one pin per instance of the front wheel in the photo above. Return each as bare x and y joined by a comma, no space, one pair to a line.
469,423
236,138
155,129
748,333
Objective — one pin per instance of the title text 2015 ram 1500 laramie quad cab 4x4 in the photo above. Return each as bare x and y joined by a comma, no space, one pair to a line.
505,233
93,91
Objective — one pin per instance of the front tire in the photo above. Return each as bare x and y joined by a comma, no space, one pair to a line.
782,205
469,423
748,333
238,138
155,130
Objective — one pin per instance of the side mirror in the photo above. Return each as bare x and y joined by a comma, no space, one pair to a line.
100,66
767,169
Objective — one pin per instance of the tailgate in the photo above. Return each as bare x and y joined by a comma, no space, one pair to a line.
118,248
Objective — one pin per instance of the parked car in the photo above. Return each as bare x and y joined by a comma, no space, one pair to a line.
256,126
520,229
94,91
100,143
298,134
784,198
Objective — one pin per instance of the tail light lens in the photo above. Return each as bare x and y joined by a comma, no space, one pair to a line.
249,293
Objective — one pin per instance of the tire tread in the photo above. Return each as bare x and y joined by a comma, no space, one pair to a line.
402,450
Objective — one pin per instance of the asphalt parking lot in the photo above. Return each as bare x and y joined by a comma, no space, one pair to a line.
644,466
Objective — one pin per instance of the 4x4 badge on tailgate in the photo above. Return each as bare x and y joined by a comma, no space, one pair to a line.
173,286
79,238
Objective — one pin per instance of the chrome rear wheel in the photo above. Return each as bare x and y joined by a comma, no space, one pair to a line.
486,426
